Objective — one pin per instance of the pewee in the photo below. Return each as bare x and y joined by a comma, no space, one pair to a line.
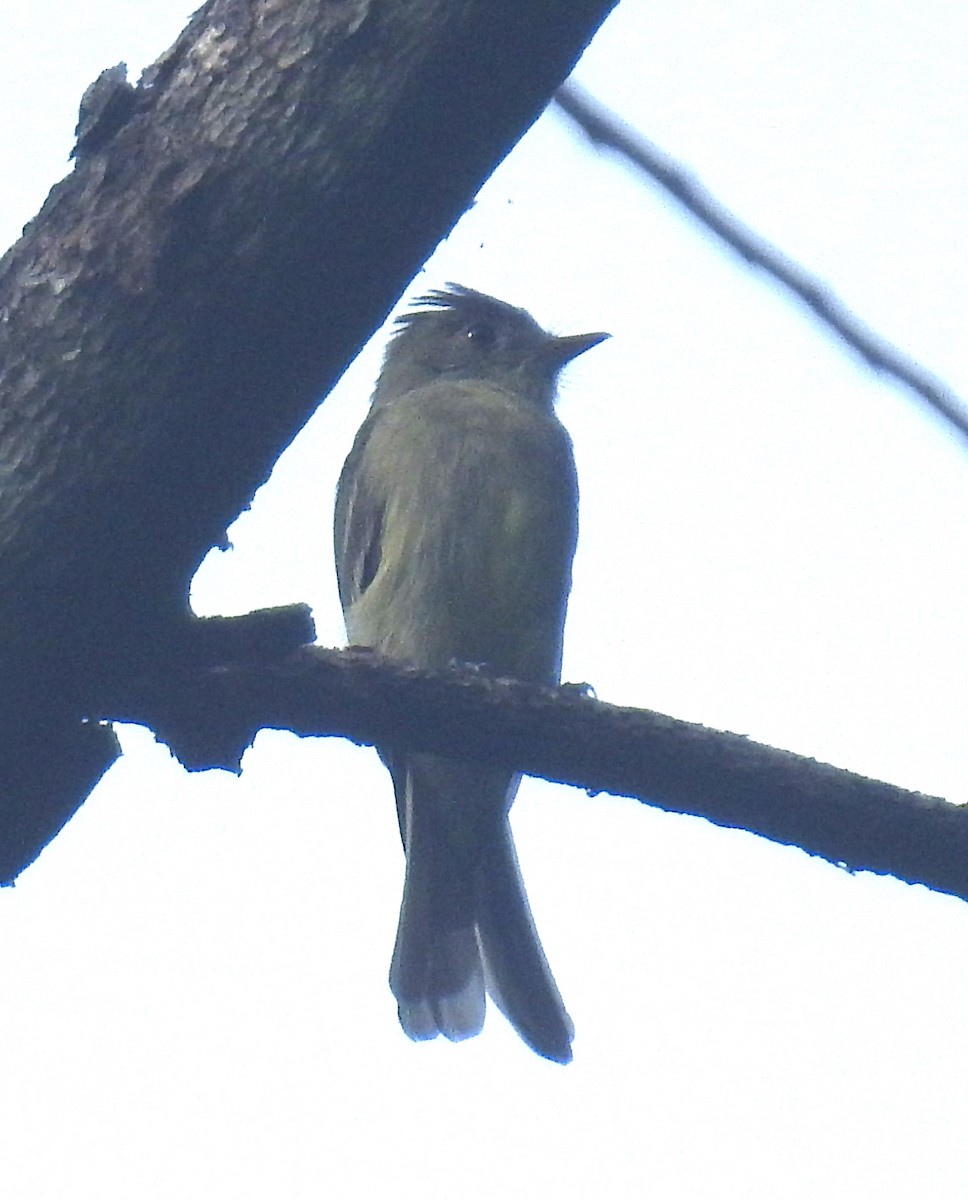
456,519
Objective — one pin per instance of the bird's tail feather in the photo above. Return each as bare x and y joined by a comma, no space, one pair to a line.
465,918
436,975
516,970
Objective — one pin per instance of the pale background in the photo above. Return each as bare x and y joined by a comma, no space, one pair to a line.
773,542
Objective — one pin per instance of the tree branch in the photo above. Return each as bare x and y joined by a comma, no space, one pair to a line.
234,229
567,736
228,240
606,129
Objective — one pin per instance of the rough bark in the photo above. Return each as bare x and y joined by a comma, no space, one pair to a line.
234,228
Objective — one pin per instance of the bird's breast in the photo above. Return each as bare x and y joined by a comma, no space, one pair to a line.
478,531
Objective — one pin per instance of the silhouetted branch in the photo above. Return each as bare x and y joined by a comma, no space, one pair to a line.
606,129
236,226
569,737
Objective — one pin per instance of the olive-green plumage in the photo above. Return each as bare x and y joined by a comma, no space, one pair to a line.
456,520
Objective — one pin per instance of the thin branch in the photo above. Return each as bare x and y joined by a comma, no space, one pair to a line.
606,129
564,735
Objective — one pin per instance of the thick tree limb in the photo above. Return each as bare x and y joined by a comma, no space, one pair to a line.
172,316
564,735
234,229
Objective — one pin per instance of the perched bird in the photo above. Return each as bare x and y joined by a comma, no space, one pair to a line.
456,520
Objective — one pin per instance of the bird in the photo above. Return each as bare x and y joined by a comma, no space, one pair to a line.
455,527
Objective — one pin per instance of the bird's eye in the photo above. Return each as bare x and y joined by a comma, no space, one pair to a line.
482,335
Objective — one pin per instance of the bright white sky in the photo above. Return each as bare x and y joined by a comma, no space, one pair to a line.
773,542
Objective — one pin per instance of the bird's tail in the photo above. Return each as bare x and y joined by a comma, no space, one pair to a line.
516,970
465,919
436,973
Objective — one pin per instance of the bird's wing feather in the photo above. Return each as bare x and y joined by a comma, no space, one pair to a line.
358,524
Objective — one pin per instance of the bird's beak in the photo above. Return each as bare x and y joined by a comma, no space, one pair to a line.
561,350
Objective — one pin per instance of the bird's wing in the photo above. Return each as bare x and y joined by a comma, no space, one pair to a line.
358,525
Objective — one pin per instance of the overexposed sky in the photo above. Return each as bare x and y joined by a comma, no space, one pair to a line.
773,542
